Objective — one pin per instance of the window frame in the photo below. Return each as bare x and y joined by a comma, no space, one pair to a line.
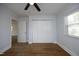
67,25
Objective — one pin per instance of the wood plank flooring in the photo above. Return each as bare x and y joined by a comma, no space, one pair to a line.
37,49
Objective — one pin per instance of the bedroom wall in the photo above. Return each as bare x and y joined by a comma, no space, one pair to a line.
69,43
32,31
25,29
5,28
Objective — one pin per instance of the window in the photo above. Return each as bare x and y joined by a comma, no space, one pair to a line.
72,23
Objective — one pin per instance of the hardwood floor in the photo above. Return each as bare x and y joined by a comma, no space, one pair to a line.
37,49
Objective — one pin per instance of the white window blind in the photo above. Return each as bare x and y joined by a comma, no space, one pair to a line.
72,23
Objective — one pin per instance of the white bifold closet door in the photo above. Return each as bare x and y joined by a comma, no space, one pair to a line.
43,31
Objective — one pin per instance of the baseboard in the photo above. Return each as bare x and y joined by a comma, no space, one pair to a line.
43,42
29,42
5,49
1,52
22,41
67,50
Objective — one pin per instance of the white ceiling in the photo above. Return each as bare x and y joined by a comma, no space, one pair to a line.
46,8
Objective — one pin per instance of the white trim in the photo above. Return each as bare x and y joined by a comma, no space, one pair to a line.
43,42
5,49
55,42
1,52
73,36
21,41
67,50
30,42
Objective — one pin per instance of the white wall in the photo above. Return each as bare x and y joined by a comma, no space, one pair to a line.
5,28
34,22
68,42
22,29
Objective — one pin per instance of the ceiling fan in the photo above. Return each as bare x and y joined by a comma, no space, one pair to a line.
35,5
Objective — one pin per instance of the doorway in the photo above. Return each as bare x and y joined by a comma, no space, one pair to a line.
14,31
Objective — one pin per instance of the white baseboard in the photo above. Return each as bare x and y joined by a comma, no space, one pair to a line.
1,52
42,42
21,41
30,42
5,49
67,50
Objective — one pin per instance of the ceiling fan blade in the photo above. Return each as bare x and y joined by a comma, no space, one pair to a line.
27,6
37,7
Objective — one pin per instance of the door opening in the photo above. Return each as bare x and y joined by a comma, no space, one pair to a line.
14,31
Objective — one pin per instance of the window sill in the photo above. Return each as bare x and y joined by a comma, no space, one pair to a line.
72,36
